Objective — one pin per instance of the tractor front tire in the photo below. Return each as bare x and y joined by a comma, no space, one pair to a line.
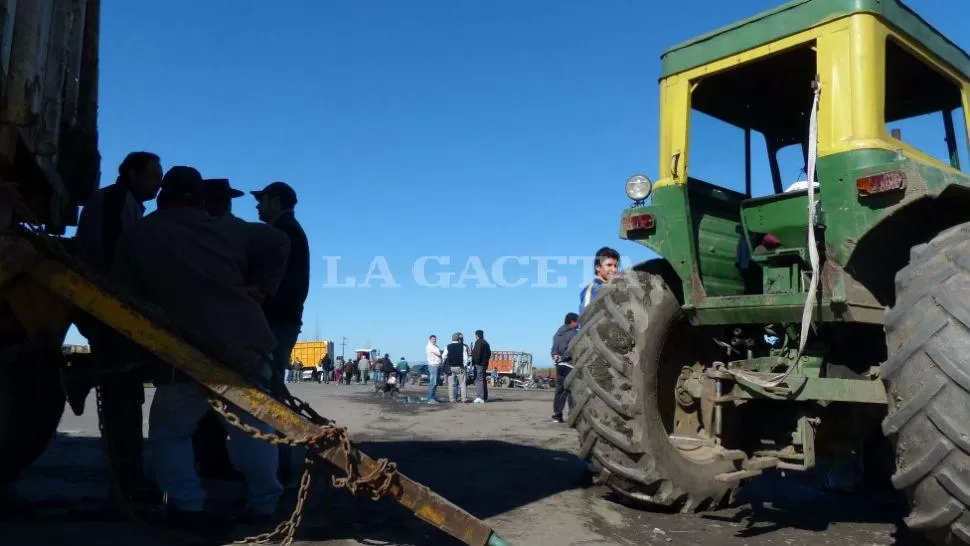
633,340
31,405
927,378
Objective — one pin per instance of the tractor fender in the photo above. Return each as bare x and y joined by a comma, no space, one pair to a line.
662,267
885,249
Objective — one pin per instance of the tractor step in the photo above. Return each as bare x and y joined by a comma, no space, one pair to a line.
736,476
749,468
733,455
760,463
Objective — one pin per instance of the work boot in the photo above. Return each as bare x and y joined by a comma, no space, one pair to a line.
206,526
250,518
139,495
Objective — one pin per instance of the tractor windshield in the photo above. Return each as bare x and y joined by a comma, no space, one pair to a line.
749,125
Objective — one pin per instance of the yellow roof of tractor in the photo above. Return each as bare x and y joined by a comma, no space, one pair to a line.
800,15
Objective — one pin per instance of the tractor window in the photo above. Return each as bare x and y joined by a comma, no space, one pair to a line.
717,152
924,108
963,147
770,99
791,164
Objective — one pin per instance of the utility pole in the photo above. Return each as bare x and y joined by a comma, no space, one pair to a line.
343,343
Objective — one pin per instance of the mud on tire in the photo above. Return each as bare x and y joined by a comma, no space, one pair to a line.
620,396
927,378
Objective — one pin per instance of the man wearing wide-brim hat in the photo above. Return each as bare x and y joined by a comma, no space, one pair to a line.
209,439
218,197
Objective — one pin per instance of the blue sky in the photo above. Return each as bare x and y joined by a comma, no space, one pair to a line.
418,128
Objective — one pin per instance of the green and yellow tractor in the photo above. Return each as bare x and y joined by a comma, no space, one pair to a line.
812,298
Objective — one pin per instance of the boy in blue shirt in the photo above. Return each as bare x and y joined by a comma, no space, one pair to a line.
605,266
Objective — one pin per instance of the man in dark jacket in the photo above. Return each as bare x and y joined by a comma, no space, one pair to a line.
387,367
564,364
454,366
481,354
110,212
284,311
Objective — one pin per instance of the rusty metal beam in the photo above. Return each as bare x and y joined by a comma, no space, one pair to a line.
89,295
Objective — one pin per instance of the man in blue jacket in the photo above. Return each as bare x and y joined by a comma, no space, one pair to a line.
605,266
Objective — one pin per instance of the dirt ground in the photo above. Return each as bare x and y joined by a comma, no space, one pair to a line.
504,462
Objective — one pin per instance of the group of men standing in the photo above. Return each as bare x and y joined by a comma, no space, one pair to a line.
235,288
456,359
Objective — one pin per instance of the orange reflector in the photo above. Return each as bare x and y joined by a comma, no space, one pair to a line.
881,183
638,221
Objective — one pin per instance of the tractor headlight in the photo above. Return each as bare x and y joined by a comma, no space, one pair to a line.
638,187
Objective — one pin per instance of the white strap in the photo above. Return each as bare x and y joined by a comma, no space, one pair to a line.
811,299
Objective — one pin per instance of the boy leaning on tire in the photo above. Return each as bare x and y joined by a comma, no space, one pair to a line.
605,265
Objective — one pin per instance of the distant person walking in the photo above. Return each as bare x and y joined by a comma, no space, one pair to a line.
349,371
386,366
402,371
604,267
363,367
454,358
433,354
564,364
481,354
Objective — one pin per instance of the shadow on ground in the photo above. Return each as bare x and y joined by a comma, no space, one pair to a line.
771,506
62,494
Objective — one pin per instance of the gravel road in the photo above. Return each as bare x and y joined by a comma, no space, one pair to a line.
504,461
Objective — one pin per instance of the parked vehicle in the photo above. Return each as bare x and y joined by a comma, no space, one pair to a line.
310,352
761,337
510,365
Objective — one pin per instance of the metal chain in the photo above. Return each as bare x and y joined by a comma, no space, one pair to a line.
379,481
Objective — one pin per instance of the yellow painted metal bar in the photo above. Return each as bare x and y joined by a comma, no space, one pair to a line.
71,283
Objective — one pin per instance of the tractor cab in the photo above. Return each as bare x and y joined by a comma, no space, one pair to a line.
729,211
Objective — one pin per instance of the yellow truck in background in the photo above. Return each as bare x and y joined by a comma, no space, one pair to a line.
310,352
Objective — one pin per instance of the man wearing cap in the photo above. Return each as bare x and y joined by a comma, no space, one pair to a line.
563,358
110,212
284,310
201,275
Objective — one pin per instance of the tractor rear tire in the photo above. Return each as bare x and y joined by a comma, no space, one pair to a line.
31,405
631,341
927,379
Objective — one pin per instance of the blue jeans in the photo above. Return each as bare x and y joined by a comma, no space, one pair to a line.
481,387
175,413
432,382
286,335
